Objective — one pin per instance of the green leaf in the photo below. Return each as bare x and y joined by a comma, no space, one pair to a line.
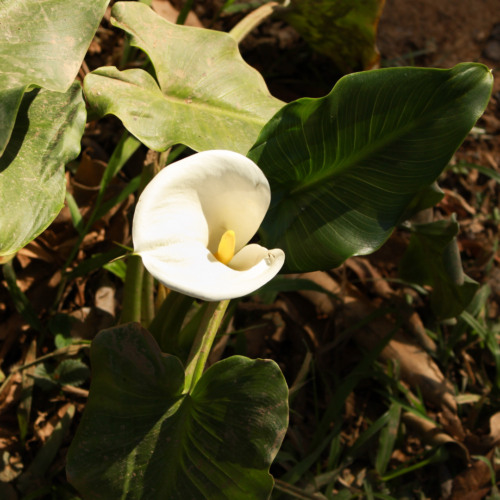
44,376
388,439
140,437
207,98
426,198
71,372
96,261
60,326
76,216
21,302
344,168
432,259
118,268
327,24
46,136
41,44
492,174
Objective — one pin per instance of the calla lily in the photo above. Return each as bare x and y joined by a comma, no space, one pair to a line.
194,220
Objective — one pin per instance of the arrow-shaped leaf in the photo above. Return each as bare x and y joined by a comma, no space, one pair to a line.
207,98
46,136
41,44
344,168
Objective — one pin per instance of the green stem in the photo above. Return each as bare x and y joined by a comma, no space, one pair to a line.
148,299
125,148
167,323
132,291
184,12
203,343
156,326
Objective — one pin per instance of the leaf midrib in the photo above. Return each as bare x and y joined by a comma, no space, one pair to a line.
353,159
215,110
200,106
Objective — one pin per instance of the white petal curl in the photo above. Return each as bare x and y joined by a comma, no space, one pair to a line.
184,211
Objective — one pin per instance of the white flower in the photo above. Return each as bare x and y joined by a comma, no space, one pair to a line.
195,215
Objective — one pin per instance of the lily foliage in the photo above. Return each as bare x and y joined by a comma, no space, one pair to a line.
319,179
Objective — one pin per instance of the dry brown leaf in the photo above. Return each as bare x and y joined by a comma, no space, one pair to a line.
418,369
89,173
473,483
45,432
166,10
483,445
35,251
431,434
413,323
11,467
11,392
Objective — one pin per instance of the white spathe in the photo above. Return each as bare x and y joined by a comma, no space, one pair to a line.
182,215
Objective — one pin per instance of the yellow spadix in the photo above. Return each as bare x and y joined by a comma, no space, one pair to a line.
225,252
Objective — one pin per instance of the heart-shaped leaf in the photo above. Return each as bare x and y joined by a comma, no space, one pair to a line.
433,259
45,137
41,44
344,168
208,97
140,437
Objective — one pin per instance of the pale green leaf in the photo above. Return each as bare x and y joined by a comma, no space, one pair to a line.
207,97
41,44
46,136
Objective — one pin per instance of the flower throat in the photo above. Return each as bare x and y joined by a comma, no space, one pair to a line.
225,252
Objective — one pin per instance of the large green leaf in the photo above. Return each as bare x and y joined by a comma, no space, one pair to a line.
41,44
207,98
433,259
141,438
344,168
45,137
341,29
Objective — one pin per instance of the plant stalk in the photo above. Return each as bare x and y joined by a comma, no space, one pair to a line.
250,22
203,343
132,292
148,299
181,19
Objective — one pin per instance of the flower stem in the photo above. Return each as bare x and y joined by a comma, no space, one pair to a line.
252,20
148,304
132,292
203,343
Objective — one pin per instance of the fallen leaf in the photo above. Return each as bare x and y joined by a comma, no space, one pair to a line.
431,434
473,483
418,369
166,10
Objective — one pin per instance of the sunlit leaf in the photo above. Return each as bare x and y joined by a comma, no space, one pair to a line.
46,136
344,168
207,97
41,44
140,437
